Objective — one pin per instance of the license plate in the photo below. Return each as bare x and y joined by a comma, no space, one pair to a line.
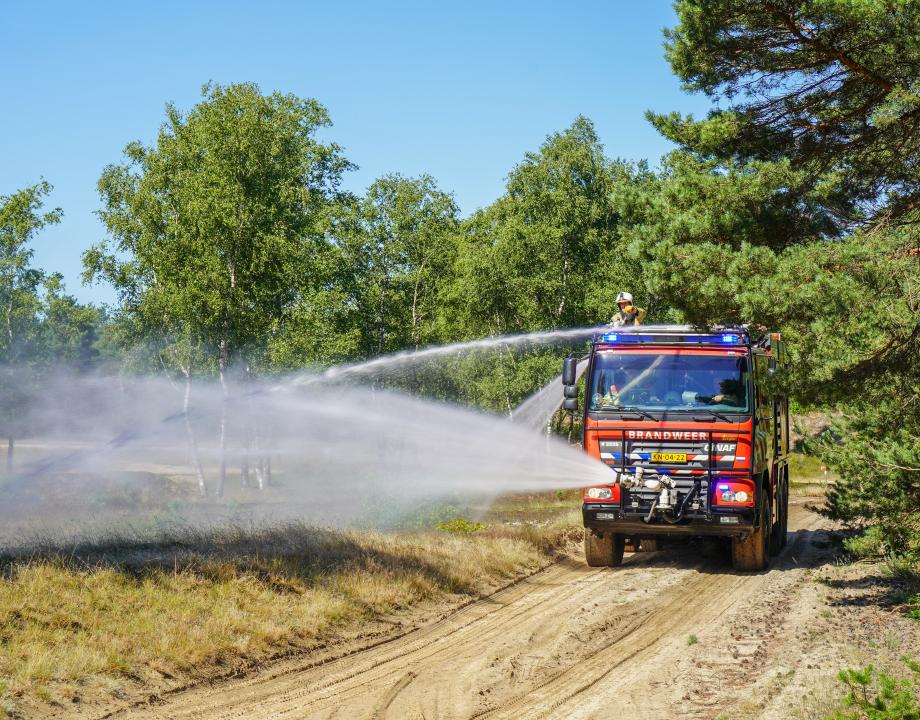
669,457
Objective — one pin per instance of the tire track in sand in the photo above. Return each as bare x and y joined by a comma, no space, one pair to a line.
531,650
637,656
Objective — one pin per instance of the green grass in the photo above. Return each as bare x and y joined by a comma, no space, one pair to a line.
804,467
692,640
185,604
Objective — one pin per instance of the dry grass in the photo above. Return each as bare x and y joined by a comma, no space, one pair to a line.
133,610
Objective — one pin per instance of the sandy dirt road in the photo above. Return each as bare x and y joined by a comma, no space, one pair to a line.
569,642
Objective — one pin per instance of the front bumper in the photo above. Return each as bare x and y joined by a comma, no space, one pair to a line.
734,522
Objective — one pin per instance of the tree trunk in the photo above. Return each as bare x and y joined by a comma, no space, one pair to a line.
565,283
190,431
416,334
9,316
260,460
244,465
513,364
222,369
381,322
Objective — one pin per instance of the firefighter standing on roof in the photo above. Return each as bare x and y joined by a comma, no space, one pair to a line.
627,314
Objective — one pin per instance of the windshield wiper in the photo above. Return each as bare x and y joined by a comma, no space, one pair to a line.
716,414
632,409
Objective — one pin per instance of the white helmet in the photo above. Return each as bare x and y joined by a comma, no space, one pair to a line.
624,297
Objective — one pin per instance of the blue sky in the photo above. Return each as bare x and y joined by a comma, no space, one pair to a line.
457,90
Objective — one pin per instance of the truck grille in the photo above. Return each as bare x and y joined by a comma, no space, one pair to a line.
641,453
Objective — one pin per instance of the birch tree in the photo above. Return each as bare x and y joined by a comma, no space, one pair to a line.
401,246
21,217
216,228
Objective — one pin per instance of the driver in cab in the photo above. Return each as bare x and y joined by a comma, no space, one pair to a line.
611,385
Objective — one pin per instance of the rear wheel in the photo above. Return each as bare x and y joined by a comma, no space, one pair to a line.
785,506
752,552
604,550
781,518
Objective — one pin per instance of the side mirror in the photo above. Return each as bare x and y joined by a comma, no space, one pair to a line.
570,391
570,404
569,370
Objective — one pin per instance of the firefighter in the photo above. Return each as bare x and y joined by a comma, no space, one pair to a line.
627,314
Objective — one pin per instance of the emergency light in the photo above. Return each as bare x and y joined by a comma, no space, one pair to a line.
629,338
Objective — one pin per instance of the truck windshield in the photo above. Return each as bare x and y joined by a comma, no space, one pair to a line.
668,382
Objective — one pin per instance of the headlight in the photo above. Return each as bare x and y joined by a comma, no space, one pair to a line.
599,493
729,496
741,496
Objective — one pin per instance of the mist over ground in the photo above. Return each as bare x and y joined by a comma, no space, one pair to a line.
97,452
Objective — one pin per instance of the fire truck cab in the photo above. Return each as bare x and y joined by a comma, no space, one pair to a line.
695,442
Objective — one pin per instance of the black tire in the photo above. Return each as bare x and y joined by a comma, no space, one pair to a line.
605,550
781,524
776,534
648,545
785,507
751,553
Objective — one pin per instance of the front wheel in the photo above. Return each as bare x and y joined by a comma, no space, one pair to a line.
752,552
604,550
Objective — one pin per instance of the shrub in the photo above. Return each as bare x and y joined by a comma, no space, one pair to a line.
460,526
877,456
875,695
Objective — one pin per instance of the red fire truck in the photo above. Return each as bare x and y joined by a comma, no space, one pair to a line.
696,443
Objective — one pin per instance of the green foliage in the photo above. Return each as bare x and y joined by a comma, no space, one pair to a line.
692,640
69,332
795,207
877,463
804,467
875,695
20,219
41,327
459,526
546,254
218,230
826,85
869,543
398,246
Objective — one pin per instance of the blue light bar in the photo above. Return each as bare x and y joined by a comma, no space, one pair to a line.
621,338
629,338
